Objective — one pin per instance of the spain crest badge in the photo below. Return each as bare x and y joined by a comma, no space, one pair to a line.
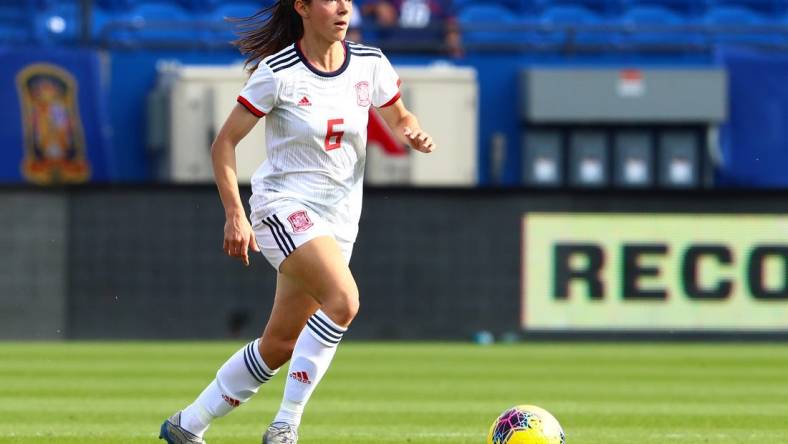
54,141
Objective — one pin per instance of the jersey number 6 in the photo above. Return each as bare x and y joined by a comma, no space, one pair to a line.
334,138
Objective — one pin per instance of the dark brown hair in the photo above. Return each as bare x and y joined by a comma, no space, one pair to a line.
268,31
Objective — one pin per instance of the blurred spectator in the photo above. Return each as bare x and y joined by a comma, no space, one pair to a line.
422,24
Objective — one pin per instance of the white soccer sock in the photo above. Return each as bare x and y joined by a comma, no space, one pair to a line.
314,349
236,382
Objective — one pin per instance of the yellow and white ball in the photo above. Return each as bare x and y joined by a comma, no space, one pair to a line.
526,424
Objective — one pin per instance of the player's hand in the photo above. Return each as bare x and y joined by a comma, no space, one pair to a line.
239,238
419,140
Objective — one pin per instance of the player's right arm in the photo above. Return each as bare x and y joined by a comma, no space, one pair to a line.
238,233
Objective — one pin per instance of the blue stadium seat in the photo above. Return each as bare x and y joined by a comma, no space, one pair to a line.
114,5
761,6
104,14
478,23
210,5
125,5
737,25
517,6
687,8
220,29
569,14
236,10
656,27
197,5
732,16
16,25
651,15
600,7
194,5
155,22
573,24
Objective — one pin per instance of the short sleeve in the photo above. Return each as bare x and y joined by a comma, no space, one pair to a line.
259,94
386,88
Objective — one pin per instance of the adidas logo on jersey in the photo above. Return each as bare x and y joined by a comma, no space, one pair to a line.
301,377
304,102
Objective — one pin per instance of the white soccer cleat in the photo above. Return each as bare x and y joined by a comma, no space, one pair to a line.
280,433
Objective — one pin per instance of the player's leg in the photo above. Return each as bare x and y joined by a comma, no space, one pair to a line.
320,268
253,365
292,307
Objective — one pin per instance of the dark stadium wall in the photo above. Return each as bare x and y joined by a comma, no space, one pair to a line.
146,262
33,264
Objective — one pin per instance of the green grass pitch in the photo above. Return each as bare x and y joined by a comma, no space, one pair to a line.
408,392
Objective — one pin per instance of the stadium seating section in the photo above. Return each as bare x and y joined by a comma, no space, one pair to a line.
602,24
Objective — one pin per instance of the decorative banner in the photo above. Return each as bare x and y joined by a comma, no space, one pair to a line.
53,136
54,127
655,272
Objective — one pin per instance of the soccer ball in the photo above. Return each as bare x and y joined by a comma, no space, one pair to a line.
526,424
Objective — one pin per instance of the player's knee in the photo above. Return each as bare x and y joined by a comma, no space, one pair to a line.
345,307
351,310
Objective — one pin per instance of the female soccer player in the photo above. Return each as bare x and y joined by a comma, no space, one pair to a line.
315,90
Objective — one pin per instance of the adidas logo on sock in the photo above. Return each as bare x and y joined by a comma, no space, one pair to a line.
301,377
233,402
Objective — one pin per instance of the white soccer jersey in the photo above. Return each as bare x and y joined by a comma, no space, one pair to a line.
316,129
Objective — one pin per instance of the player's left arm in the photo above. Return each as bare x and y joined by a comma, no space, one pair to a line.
402,121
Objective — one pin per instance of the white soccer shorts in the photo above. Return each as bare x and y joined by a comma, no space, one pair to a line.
289,227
